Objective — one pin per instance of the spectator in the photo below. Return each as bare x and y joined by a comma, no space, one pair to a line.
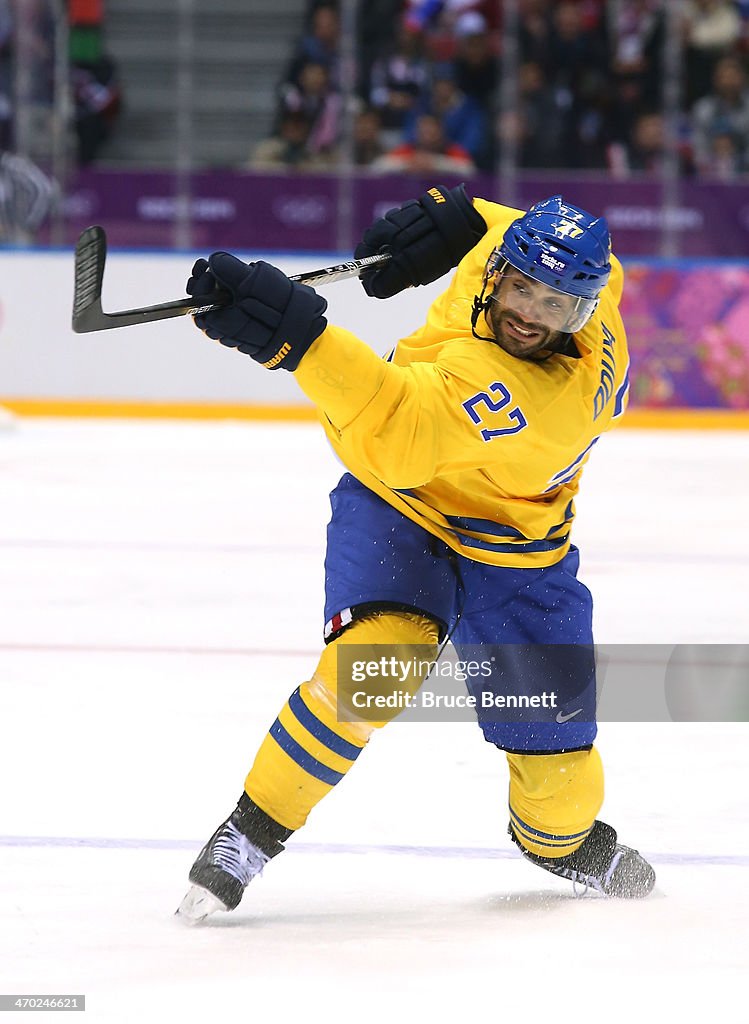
726,158
320,105
638,30
475,64
319,45
375,37
97,100
577,75
368,144
398,79
422,15
288,148
438,17
534,31
576,59
724,114
539,137
646,149
712,29
463,120
429,153
647,145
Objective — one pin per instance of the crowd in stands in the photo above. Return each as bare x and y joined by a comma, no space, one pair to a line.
28,40
29,37
587,92
95,88
431,93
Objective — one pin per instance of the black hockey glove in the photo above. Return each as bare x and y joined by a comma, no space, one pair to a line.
270,318
426,237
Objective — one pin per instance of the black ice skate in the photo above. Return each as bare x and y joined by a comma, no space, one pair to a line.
236,853
600,864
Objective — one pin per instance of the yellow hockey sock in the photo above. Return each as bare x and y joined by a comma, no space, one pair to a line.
310,747
554,799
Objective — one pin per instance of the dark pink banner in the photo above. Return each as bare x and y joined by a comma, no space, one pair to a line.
300,213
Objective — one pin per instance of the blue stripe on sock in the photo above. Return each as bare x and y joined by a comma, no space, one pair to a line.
306,761
561,847
547,835
319,730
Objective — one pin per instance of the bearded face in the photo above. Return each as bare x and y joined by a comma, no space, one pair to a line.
528,318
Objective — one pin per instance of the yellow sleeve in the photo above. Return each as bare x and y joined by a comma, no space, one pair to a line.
341,374
495,214
402,422
616,281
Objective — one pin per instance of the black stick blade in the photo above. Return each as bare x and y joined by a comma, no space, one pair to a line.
90,257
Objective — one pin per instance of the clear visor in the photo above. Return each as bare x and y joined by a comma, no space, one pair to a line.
536,304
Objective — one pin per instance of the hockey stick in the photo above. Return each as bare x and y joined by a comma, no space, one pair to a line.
91,255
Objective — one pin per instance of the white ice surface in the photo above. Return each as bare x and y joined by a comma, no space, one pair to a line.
160,596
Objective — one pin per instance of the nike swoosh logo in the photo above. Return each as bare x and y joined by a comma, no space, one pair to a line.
565,718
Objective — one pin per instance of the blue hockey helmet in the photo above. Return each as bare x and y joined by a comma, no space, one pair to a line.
560,246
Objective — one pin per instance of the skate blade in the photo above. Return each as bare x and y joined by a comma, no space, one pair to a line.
197,905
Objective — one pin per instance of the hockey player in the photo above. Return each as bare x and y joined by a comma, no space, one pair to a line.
465,448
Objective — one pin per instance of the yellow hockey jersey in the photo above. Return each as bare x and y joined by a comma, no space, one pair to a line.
480,448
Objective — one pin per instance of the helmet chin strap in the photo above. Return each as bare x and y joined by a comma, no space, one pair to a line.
480,305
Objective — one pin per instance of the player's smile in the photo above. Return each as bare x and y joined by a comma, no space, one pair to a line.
522,331
519,338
